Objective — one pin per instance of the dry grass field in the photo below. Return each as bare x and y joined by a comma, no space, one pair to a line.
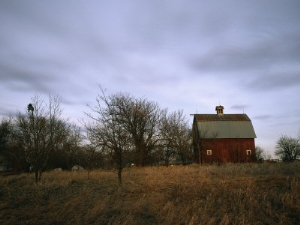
226,194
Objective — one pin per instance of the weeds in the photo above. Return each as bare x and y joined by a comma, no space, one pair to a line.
226,194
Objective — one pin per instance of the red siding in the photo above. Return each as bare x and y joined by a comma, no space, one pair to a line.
227,150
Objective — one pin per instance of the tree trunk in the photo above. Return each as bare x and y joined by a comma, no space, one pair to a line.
120,162
36,172
120,175
167,162
40,175
139,153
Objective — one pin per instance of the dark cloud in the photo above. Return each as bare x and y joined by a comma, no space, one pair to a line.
20,78
275,81
251,56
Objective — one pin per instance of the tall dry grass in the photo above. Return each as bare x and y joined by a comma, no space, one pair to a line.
226,194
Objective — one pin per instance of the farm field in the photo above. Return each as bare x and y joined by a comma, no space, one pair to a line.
209,194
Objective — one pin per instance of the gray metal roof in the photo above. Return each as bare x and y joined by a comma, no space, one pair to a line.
225,126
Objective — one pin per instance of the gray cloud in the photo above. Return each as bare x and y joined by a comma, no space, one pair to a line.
251,57
262,117
184,54
239,107
25,79
5,112
275,81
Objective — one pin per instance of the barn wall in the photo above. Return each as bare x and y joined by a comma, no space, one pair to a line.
227,150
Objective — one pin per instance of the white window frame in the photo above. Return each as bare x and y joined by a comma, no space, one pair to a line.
208,152
248,152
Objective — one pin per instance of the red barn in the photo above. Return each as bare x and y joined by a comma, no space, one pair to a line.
222,138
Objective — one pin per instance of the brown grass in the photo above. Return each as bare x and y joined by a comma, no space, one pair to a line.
226,194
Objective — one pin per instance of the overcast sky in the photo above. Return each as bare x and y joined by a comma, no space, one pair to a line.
189,55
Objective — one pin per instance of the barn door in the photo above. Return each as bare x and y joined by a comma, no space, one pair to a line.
225,155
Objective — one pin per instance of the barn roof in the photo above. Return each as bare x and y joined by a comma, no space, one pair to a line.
224,126
223,117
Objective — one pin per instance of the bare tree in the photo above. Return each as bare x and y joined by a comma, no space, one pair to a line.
68,153
167,152
107,133
92,158
72,146
41,131
5,135
6,153
143,127
140,119
260,154
176,135
288,148
11,147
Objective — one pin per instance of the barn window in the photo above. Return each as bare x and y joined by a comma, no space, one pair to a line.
209,152
248,152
